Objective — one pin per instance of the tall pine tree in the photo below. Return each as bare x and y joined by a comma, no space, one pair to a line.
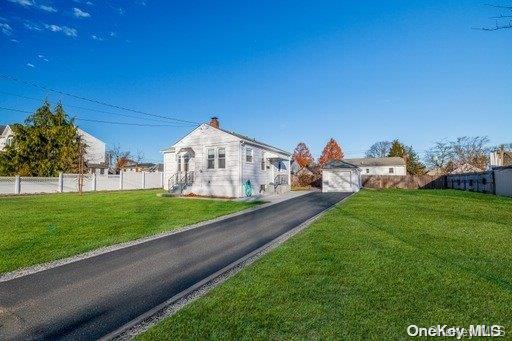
413,164
332,151
47,143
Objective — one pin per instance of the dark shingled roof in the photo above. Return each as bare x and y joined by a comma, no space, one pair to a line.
247,138
377,161
2,128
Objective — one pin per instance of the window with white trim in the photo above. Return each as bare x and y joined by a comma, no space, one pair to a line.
210,161
179,163
263,165
391,170
248,154
221,162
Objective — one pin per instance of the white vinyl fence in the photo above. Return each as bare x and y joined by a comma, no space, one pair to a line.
91,182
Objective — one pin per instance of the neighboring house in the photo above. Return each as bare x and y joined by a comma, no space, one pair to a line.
380,165
340,176
500,158
211,161
95,152
461,169
133,166
5,136
466,168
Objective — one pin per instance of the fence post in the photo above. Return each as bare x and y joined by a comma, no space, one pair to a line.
162,180
61,182
93,182
143,180
17,184
120,179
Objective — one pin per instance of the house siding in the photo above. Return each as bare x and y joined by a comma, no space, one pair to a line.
208,182
227,182
383,170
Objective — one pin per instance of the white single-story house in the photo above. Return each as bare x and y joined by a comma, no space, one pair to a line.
340,176
95,151
211,161
380,165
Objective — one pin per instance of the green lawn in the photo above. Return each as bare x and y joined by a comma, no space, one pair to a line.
381,261
41,228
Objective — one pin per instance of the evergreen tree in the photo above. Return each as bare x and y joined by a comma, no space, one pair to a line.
47,143
332,151
413,164
302,155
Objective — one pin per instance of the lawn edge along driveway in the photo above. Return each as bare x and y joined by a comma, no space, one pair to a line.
367,270
44,231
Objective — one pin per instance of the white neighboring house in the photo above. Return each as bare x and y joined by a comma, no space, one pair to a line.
211,161
95,152
380,165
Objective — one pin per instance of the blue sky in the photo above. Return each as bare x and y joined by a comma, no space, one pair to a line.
283,72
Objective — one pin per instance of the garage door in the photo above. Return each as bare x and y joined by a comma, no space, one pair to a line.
338,181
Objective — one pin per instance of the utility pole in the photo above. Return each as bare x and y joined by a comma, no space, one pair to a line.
80,166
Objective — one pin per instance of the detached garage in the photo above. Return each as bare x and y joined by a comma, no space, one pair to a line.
340,176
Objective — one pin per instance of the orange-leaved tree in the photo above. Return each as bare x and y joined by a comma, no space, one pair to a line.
302,155
332,151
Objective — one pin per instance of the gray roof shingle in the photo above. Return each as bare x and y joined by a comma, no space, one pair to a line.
377,161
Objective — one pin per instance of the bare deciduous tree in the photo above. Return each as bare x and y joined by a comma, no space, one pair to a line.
440,156
379,149
117,158
448,155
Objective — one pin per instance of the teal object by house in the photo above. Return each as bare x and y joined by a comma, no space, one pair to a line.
248,188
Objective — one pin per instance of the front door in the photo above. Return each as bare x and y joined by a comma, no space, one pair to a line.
186,160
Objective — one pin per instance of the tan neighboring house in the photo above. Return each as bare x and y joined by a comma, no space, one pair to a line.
95,153
462,169
466,168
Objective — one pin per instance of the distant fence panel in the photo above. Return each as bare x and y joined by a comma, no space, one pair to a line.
70,183
107,182
132,180
7,184
31,185
503,181
402,181
154,180
497,181
476,182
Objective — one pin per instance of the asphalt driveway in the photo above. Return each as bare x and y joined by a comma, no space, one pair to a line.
90,298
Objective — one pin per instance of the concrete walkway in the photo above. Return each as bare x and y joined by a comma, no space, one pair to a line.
275,198
92,297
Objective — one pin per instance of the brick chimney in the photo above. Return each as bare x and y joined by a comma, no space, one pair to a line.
214,122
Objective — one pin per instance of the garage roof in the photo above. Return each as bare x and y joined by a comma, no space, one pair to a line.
338,164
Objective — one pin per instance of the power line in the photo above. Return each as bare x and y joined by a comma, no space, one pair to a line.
101,121
85,108
42,87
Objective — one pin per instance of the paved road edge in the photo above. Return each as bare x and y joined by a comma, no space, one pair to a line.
196,291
